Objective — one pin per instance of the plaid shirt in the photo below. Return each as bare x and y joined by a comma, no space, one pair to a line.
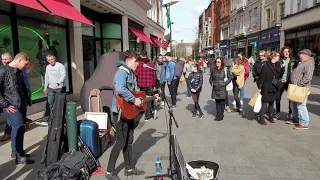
145,76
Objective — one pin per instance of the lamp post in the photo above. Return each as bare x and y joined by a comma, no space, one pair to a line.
167,6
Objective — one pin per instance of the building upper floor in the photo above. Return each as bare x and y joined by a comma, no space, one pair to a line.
272,11
156,11
295,6
237,5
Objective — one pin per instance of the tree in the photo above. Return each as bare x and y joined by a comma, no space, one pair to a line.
196,45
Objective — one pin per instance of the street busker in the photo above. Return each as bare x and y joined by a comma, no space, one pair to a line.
195,84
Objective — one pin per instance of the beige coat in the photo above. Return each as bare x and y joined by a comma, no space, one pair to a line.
238,71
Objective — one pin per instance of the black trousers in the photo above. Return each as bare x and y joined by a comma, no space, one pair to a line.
264,107
195,96
124,141
236,92
163,90
150,104
220,106
173,89
284,87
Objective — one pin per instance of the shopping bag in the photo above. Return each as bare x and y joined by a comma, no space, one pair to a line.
253,99
229,87
257,104
181,80
297,94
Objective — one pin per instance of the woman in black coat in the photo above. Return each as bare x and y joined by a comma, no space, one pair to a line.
195,81
220,77
269,85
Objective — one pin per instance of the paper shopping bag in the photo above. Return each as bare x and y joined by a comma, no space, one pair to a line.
257,104
253,99
297,94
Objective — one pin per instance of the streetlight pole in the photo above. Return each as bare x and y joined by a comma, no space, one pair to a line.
167,6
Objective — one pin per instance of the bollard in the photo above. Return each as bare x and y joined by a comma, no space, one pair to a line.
71,118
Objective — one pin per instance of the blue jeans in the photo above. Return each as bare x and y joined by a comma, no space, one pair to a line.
188,92
300,109
241,93
16,121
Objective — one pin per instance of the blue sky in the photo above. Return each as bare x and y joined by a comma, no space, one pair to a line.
185,17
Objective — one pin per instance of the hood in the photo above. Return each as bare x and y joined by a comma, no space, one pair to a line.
123,65
145,59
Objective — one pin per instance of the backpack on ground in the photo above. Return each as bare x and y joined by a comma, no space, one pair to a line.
72,166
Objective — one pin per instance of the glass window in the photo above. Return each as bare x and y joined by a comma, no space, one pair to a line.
86,29
111,30
97,29
5,35
110,45
5,6
35,38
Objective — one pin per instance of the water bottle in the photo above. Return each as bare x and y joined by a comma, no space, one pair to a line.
158,167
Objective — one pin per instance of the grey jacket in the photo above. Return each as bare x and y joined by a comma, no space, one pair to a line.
187,69
303,73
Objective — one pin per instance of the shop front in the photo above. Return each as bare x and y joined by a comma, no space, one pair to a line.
242,46
270,39
233,48
104,37
224,48
252,45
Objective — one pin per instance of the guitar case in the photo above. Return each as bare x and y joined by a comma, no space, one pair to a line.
57,142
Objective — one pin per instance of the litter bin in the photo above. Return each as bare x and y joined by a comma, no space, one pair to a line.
208,164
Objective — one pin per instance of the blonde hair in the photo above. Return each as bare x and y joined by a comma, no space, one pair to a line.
22,56
8,55
271,55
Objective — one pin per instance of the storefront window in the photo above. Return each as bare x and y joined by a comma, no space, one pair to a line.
97,29
5,6
110,45
5,35
98,50
112,31
35,38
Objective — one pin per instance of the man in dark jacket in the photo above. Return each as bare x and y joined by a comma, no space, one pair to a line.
258,66
13,100
179,70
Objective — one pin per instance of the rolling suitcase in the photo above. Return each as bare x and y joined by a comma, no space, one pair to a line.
89,133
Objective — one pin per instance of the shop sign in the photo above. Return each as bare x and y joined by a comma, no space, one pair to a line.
270,36
224,44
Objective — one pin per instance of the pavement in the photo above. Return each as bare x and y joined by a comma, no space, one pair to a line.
243,148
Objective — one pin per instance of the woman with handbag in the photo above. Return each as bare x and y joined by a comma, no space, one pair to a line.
220,78
269,85
238,71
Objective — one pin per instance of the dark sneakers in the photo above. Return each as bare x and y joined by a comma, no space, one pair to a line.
111,176
133,172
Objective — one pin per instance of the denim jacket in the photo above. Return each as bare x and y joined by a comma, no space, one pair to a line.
124,81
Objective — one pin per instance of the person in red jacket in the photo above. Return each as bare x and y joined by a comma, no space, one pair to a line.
146,80
246,75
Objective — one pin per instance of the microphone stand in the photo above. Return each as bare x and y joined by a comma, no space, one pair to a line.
171,118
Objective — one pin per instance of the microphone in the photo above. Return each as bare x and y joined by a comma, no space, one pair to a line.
146,66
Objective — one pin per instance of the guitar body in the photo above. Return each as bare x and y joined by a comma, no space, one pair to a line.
128,110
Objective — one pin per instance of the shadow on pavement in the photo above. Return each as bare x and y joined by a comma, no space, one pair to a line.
32,126
210,107
142,144
32,169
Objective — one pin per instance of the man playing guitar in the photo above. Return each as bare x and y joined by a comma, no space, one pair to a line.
124,81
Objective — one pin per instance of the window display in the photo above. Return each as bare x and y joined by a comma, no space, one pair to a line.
5,35
36,38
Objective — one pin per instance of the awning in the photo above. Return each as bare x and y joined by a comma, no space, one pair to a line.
30,4
142,36
64,8
155,40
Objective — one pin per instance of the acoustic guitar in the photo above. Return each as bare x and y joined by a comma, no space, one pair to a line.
128,110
